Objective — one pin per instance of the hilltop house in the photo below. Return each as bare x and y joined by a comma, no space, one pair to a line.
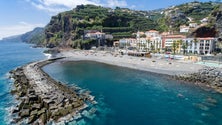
184,29
193,25
96,35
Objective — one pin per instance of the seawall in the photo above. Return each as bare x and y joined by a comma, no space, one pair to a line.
41,98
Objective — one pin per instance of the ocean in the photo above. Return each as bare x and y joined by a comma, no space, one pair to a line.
12,55
124,96
131,97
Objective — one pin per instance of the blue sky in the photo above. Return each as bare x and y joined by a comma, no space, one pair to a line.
20,16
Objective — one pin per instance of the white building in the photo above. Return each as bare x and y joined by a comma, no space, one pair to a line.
95,35
193,25
128,42
152,33
201,45
154,40
204,20
184,29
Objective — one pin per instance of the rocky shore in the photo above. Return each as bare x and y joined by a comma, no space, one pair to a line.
41,98
208,77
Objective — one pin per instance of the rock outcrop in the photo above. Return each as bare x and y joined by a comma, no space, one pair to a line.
208,77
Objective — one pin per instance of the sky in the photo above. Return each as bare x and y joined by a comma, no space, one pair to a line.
21,16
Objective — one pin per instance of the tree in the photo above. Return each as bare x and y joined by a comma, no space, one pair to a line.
148,45
143,36
195,44
184,46
174,47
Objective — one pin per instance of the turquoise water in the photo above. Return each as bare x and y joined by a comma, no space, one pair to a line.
130,97
12,55
124,96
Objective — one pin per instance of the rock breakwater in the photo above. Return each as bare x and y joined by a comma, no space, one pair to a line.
41,98
209,77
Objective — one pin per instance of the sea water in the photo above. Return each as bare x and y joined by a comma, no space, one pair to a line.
131,97
12,55
124,96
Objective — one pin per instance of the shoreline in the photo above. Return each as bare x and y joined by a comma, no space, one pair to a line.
154,65
196,74
43,99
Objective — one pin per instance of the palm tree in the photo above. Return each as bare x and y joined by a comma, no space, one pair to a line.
184,46
148,45
179,43
195,44
175,46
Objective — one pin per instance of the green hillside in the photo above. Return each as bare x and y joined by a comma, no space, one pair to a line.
67,27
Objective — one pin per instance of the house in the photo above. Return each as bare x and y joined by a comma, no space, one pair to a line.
96,35
152,33
193,25
204,20
184,29
93,34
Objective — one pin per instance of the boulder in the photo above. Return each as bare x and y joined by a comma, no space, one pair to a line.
36,106
24,113
35,112
43,110
43,118
33,98
32,119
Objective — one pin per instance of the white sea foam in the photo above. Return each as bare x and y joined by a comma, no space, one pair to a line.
48,55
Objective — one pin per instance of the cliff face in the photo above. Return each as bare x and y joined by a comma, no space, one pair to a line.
218,24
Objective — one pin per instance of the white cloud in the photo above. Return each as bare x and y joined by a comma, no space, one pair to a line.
20,28
56,6
114,3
